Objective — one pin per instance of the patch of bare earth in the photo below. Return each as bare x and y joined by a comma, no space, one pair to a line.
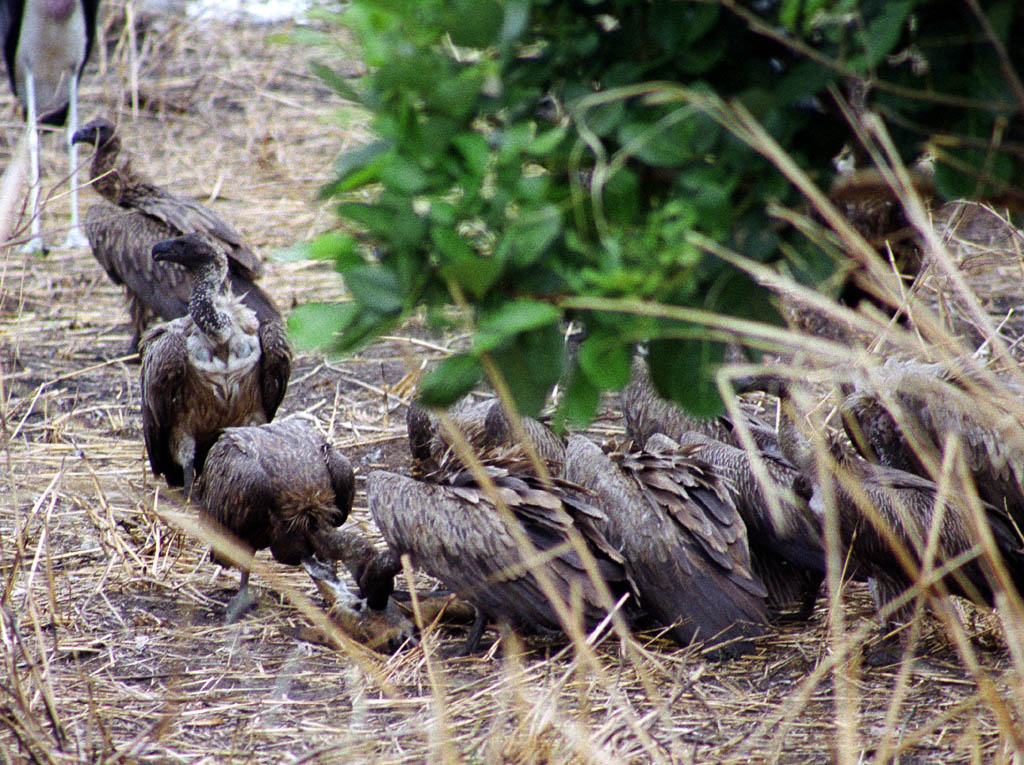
113,641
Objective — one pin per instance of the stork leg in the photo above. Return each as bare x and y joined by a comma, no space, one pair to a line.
35,243
242,602
75,238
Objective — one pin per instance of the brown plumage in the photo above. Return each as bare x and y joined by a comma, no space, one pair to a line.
647,413
906,507
882,510
137,215
218,367
484,424
929,406
278,485
786,547
455,531
684,544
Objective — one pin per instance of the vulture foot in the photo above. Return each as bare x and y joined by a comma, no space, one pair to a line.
243,602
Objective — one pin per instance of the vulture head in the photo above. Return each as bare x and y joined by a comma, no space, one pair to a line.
97,132
197,252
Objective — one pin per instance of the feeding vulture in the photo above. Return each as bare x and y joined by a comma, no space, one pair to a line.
135,216
905,409
46,45
511,553
484,424
683,542
883,511
647,413
217,367
786,547
279,485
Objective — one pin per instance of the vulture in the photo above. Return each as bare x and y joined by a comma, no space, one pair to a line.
785,540
883,511
510,554
279,485
217,367
46,45
484,424
135,216
684,544
786,544
647,413
929,406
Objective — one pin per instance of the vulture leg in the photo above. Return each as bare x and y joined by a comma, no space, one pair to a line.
75,238
242,602
190,476
475,633
35,243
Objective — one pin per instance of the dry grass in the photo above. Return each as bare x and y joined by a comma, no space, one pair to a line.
113,642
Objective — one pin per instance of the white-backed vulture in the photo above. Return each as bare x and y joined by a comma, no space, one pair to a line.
135,216
931,407
647,413
456,531
215,368
883,510
279,485
684,544
483,423
785,538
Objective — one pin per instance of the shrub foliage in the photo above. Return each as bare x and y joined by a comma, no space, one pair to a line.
538,161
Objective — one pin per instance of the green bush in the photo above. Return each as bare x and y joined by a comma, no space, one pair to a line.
544,161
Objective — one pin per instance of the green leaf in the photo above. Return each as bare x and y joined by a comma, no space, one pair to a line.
475,23
316,325
531,365
882,33
459,262
402,175
533,232
450,380
605,359
376,287
579,403
355,168
510,319
474,149
682,371
546,142
336,82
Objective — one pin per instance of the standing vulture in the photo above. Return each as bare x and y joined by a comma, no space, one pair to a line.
279,485
888,517
684,544
135,216
906,409
217,367
511,553
46,45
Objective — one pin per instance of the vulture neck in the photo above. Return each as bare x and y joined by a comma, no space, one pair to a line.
110,178
203,305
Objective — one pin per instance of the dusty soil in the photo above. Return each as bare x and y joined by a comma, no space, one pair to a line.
114,642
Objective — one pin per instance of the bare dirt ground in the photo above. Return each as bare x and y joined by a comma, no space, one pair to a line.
114,645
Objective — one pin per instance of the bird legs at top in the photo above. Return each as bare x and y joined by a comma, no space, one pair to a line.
75,238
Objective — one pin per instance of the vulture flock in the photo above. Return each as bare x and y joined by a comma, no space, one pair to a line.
706,531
